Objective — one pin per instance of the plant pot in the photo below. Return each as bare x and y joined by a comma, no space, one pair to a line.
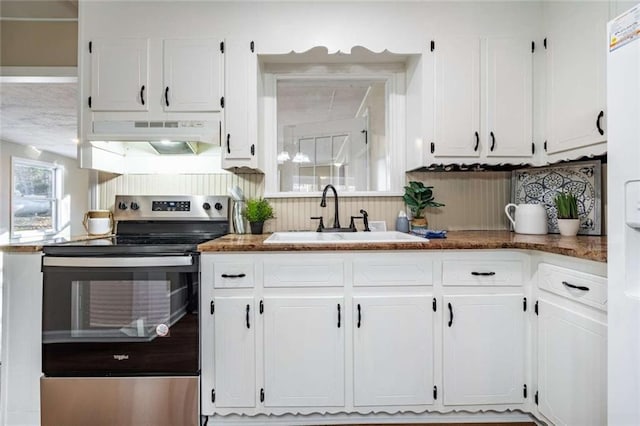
568,227
419,222
256,227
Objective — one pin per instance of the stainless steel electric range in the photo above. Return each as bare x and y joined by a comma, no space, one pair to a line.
120,325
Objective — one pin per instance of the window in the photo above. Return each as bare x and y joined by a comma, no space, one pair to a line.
35,197
333,119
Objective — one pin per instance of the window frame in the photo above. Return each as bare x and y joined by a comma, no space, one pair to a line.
395,123
56,191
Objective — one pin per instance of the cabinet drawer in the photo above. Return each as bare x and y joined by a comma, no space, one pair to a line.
484,273
233,275
385,270
578,286
304,273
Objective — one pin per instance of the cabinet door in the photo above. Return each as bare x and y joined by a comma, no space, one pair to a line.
393,350
483,349
576,74
234,354
457,97
192,75
241,105
119,78
304,351
509,130
572,367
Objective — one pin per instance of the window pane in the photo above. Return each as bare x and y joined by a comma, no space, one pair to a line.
31,214
36,181
331,131
33,205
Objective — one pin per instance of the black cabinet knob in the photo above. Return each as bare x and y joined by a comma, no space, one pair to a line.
122,206
206,206
218,206
134,206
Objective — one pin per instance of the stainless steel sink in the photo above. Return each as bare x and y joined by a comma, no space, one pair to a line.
341,238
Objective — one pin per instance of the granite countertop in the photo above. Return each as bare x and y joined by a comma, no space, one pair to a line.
583,247
36,246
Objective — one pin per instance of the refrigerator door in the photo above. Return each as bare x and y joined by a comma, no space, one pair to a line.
122,401
623,105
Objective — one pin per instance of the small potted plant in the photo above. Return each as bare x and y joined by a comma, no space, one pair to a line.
418,197
567,208
256,211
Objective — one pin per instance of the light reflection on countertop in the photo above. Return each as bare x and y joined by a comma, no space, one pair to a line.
37,245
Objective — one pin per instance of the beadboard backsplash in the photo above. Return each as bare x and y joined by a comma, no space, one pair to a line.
474,200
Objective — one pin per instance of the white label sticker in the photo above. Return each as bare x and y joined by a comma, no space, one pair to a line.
625,29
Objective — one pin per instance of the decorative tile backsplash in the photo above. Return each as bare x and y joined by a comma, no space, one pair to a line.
540,186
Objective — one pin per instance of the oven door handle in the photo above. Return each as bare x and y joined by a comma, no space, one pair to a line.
117,262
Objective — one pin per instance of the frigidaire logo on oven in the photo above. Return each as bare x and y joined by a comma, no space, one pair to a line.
121,357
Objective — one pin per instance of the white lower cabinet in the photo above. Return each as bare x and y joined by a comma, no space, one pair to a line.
234,352
572,365
326,335
484,338
304,350
393,350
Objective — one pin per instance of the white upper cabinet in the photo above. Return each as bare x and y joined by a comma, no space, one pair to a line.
189,80
241,105
509,99
576,74
192,72
119,74
457,97
481,94
393,350
483,349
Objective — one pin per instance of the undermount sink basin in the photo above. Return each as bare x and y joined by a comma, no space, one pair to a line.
346,237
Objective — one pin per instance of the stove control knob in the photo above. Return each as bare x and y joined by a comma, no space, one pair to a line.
218,206
206,206
122,206
134,206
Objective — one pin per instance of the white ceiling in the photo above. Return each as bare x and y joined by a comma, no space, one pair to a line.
42,115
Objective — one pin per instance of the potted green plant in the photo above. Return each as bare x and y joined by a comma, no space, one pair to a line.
567,208
418,197
256,211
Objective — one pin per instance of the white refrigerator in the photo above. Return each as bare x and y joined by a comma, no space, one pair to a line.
623,188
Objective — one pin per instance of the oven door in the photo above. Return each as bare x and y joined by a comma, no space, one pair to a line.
120,316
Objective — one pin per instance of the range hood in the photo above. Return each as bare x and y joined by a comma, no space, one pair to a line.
138,146
164,134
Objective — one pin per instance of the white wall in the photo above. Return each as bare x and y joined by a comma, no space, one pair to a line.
75,188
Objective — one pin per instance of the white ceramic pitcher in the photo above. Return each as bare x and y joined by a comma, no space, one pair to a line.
529,218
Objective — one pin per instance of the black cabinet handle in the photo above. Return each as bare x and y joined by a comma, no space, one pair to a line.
228,143
578,287
450,314
339,315
248,325
598,122
142,94
483,274
475,148
233,275
359,315
493,141
166,96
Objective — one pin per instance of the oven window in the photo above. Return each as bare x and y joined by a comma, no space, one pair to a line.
115,309
121,307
